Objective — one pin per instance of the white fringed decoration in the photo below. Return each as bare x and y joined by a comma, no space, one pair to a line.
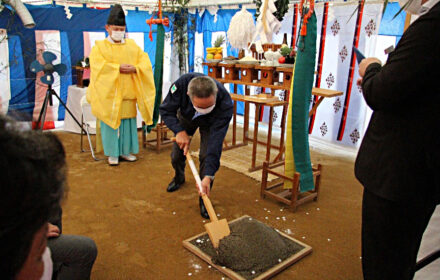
267,23
241,29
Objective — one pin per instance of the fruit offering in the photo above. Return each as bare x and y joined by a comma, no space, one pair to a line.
288,55
216,52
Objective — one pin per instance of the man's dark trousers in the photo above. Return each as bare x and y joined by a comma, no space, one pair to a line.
177,156
391,236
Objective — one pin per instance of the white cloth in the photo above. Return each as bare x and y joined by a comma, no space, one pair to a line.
335,73
5,83
48,265
74,95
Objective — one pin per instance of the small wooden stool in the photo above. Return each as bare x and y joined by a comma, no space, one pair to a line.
288,197
161,137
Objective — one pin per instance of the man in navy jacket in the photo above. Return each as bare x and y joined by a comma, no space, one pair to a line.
197,101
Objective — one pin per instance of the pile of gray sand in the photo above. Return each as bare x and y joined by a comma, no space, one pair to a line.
251,249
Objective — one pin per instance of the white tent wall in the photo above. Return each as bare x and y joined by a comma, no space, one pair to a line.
170,66
5,92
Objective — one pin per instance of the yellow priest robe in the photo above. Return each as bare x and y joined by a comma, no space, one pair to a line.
112,95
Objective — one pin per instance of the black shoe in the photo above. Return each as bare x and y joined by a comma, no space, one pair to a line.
203,211
174,186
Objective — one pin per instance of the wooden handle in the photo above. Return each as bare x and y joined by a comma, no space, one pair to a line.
206,200
209,208
194,172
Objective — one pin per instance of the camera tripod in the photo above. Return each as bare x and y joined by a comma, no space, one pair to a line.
48,99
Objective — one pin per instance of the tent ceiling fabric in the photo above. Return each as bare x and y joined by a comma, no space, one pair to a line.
152,4
141,3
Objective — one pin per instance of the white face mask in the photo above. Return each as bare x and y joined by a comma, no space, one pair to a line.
204,111
118,35
413,7
48,265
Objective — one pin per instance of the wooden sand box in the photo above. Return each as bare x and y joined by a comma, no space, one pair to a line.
253,250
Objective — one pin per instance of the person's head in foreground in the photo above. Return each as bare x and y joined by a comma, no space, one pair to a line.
203,93
32,172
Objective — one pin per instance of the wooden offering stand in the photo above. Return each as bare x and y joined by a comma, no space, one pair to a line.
162,139
267,74
248,73
290,197
287,74
250,79
214,71
230,71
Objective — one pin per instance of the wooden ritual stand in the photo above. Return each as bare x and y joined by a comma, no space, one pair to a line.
259,100
264,101
267,74
214,70
266,47
287,75
248,73
291,197
161,140
231,72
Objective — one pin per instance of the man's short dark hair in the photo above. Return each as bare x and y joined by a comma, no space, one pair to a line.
33,175
202,87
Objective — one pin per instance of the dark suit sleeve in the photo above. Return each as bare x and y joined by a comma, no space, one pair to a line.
408,71
217,134
169,107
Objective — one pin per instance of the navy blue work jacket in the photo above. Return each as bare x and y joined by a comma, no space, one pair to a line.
217,121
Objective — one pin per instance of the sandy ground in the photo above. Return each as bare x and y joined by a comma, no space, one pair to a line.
139,227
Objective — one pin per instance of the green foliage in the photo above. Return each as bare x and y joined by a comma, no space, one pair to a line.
219,41
282,8
285,51
180,29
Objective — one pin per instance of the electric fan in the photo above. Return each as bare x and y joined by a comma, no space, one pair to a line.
49,69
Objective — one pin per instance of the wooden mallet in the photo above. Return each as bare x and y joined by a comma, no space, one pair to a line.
217,229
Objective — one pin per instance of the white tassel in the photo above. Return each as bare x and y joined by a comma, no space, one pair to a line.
241,29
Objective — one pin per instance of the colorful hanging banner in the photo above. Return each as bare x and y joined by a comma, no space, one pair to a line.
158,74
297,142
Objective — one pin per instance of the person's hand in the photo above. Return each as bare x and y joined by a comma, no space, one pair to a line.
183,141
52,230
365,63
127,69
206,186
